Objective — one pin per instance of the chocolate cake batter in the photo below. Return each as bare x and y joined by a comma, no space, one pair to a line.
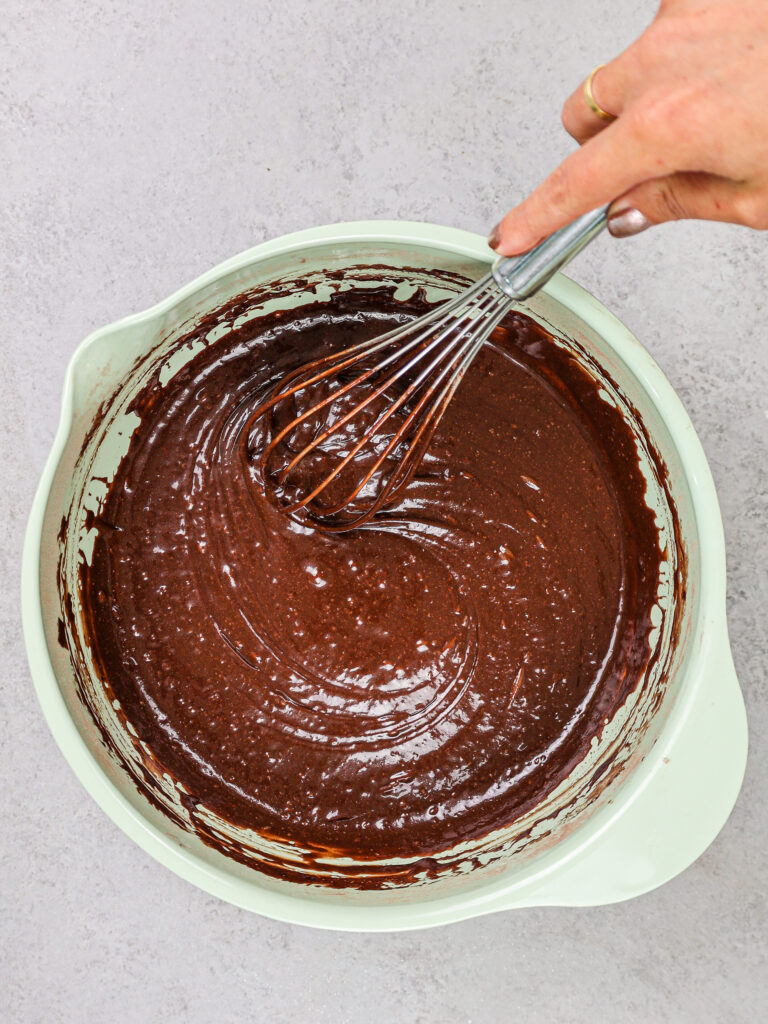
392,690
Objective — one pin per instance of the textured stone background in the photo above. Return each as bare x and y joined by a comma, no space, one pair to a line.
144,142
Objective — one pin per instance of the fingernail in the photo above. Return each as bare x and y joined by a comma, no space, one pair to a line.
627,221
495,236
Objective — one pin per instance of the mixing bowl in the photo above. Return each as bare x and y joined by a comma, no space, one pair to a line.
656,785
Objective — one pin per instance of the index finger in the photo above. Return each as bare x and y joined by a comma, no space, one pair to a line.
621,156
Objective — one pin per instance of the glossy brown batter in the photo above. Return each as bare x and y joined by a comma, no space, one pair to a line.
398,688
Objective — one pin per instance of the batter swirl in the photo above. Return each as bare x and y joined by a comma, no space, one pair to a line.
395,689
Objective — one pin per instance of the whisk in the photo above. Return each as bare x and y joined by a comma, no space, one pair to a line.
346,433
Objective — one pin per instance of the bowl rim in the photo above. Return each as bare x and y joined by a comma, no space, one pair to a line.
706,638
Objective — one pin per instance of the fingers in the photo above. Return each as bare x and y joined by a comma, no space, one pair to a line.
681,196
608,165
578,119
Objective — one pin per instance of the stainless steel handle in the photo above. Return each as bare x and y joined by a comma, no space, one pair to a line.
521,276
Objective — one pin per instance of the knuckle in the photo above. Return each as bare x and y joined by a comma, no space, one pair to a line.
642,120
652,116
668,33
669,203
528,222
560,186
566,117
574,117
751,209
642,53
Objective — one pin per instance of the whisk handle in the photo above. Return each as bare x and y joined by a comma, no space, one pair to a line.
521,276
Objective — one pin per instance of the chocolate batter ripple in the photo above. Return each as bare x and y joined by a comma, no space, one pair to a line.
392,690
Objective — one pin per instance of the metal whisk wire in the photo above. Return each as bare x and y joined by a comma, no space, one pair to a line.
428,359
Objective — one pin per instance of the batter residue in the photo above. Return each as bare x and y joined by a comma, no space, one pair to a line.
395,689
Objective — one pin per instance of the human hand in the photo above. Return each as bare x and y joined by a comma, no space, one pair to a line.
690,135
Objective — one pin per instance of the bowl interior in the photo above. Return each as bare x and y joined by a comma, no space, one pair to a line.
108,372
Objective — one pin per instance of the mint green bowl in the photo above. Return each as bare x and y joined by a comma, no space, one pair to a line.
678,759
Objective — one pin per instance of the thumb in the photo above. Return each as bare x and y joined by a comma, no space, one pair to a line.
686,195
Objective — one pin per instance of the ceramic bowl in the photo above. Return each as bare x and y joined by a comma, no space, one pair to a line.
656,786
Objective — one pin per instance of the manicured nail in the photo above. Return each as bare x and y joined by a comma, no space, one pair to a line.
628,221
495,236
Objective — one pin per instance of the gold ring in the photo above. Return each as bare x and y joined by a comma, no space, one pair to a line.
592,103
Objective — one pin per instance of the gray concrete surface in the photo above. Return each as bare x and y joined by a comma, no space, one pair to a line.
143,142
